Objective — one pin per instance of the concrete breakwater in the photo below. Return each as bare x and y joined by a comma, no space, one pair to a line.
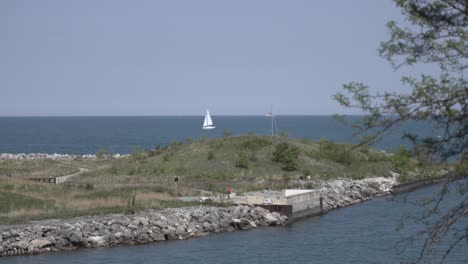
144,227
175,223
55,156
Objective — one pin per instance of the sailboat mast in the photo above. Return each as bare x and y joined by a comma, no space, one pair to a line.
272,128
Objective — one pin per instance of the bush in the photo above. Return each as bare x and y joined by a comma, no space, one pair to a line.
256,143
461,167
336,152
242,161
210,155
377,156
139,154
401,159
100,154
286,155
253,155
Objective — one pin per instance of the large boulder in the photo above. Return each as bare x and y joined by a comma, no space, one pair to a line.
40,243
270,219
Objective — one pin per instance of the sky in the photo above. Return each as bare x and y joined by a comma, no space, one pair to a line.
121,58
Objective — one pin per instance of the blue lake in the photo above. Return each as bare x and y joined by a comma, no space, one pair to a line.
85,135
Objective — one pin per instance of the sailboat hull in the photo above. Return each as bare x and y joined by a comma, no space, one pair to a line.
208,127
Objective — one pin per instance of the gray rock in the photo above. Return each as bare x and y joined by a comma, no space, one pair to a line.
40,243
270,219
156,236
97,241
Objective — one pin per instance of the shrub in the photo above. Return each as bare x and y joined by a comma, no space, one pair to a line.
166,157
401,159
100,154
253,155
242,160
377,156
175,143
336,152
256,143
139,154
461,167
210,155
286,155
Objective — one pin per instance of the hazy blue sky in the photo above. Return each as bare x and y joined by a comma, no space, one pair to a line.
179,57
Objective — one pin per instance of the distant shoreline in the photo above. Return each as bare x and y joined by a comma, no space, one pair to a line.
172,116
55,156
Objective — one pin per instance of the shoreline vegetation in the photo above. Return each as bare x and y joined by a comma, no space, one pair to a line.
148,181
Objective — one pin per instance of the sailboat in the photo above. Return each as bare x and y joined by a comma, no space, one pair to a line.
208,123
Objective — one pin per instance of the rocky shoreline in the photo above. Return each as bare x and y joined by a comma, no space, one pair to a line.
55,156
344,192
141,228
171,224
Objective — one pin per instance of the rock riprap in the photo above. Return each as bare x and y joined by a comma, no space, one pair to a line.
344,192
144,227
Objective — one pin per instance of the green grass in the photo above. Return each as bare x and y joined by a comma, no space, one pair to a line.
146,178
35,168
243,162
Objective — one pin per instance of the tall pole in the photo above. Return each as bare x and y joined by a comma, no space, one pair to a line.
272,128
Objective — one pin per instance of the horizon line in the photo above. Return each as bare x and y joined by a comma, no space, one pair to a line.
228,115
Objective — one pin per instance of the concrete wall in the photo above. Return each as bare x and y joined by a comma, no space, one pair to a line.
304,202
290,192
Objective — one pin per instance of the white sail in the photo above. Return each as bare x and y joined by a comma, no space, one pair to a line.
208,123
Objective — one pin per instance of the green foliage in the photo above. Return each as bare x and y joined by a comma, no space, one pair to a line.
256,143
139,154
89,186
377,156
461,167
100,154
227,133
330,150
437,36
175,144
401,159
286,155
242,160
210,155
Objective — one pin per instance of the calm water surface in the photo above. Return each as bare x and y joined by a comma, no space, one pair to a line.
363,233
84,135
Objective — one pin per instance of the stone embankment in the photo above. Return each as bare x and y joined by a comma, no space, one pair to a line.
345,192
144,227
55,156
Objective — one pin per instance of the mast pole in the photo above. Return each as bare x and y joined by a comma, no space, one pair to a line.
272,128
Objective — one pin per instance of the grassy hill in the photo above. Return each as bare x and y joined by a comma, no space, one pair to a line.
246,162
147,179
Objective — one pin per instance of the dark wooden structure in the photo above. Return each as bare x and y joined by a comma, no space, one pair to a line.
286,210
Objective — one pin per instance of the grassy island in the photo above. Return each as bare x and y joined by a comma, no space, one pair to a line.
155,178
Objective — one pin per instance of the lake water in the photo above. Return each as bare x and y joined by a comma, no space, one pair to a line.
85,135
363,233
